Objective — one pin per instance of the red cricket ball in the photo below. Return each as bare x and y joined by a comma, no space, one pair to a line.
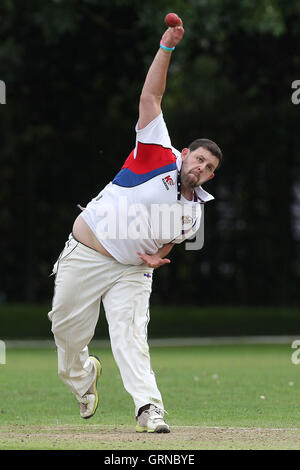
172,20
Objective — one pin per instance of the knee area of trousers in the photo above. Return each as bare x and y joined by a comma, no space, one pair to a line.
63,372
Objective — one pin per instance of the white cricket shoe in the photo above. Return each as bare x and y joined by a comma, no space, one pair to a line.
151,420
89,402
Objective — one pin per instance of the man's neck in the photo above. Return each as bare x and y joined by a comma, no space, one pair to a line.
187,193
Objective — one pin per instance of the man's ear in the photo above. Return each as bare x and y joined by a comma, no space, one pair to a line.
184,153
211,176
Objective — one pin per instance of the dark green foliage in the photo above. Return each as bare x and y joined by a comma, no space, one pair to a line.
30,321
73,72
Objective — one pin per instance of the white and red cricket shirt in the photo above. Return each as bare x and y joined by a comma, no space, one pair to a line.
139,210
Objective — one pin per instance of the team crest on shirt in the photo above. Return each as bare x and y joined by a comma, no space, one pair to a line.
187,220
168,181
147,275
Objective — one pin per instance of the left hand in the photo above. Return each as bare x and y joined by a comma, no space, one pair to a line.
153,261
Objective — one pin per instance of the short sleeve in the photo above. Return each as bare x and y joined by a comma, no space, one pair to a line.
155,132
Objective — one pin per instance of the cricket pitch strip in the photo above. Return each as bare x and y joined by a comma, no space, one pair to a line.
97,437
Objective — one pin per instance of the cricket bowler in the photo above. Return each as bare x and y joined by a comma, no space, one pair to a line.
116,244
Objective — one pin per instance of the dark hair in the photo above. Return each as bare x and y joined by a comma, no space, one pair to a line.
208,145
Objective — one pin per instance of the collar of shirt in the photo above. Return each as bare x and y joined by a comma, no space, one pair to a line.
203,195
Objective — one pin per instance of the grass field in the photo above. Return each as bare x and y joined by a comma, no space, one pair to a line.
217,397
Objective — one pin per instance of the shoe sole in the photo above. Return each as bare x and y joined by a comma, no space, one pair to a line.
99,372
158,429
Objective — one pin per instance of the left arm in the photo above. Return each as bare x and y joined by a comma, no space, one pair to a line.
157,260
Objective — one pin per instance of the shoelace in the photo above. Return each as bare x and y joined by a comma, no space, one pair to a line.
84,402
158,411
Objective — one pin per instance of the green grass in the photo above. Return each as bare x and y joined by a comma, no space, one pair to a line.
208,387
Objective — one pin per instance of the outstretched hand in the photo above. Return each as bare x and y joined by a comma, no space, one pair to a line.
153,261
172,36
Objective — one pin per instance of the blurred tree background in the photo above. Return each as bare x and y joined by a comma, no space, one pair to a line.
74,70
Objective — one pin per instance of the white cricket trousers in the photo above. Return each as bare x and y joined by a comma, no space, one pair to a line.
84,277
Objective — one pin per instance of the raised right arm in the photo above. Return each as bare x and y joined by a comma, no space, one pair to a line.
155,82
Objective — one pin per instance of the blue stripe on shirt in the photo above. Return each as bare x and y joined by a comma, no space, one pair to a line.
128,179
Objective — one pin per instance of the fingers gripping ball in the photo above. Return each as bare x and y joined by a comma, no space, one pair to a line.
172,20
